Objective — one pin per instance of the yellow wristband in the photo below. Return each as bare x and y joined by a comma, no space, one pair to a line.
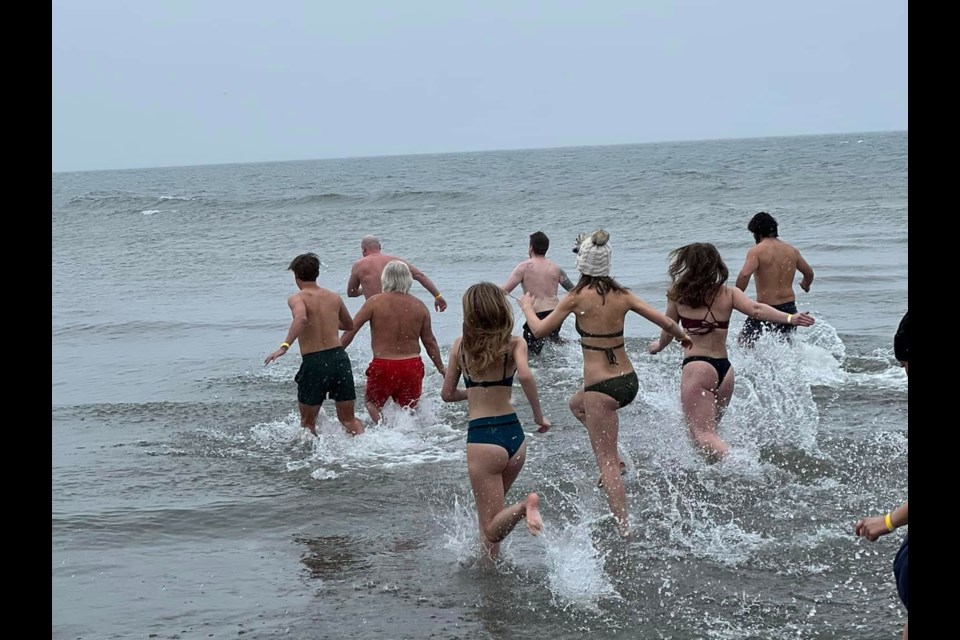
284,345
789,318
888,522
438,296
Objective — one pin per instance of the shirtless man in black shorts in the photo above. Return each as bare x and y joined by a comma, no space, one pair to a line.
325,371
774,263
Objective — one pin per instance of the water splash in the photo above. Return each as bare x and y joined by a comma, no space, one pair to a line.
576,573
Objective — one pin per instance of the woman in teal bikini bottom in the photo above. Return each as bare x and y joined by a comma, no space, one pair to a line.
488,357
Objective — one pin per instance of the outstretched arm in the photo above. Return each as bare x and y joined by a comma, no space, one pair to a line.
299,310
668,325
449,391
528,384
873,528
438,302
565,281
430,343
807,271
750,266
362,317
765,312
540,328
667,336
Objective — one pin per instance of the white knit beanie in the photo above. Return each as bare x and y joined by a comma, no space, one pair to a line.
593,258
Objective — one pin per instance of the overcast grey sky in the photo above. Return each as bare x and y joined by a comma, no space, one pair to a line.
187,82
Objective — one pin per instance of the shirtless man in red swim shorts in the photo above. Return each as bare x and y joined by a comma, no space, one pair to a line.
399,322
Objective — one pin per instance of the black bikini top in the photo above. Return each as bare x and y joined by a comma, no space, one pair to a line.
703,326
585,334
506,381
611,356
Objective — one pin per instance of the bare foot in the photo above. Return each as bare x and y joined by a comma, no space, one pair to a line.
311,428
534,521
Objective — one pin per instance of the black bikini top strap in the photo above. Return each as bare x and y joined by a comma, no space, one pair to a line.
608,351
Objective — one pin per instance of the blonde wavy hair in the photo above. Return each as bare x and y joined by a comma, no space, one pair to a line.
487,324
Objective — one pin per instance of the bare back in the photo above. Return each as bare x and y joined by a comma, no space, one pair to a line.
599,316
368,271
396,324
775,264
714,342
324,311
495,400
540,278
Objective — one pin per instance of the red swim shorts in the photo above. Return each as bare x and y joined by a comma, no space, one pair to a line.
401,380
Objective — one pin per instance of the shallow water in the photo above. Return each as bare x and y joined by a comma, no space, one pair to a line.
188,503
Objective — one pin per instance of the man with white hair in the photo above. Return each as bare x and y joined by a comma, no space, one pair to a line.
365,274
399,322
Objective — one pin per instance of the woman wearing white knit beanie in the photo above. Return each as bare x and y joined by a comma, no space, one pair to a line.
600,305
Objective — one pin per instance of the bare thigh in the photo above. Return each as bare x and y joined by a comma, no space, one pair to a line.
492,474
725,393
308,414
698,381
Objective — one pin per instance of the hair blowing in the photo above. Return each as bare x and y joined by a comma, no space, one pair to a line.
487,324
696,272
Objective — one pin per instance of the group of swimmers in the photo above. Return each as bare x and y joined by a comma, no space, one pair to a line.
489,357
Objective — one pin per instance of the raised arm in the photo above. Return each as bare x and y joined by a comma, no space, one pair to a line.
750,266
516,277
362,317
807,271
540,328
765,312
668,325
565,281
299,311
430,343
528,384
438,302
666,337
449,391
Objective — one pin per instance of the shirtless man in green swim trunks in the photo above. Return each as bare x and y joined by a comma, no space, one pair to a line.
318,316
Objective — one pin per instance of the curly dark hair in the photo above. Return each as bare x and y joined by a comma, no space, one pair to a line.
696,272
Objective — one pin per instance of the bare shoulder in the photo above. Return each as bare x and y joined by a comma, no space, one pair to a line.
421,307
328,296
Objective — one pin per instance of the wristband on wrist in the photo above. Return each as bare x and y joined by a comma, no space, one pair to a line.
284,345
789,318
887,521
438,296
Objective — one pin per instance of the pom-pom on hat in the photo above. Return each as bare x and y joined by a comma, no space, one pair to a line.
593,258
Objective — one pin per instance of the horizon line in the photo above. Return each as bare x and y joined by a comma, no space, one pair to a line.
477,151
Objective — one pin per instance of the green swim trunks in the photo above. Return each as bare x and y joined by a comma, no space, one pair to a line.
325,374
